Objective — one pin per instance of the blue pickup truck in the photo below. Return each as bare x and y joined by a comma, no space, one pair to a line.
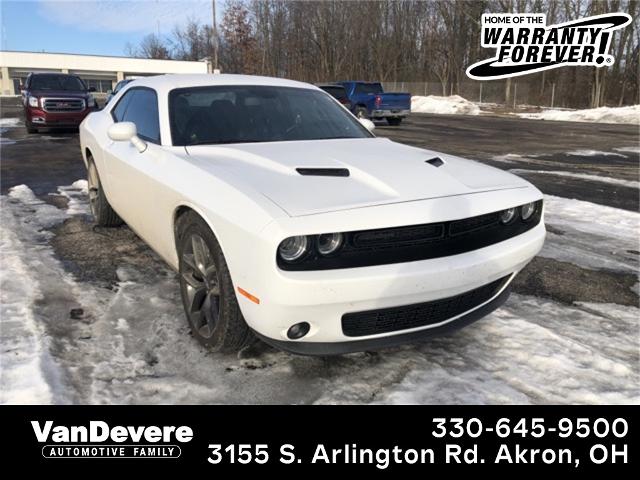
369,100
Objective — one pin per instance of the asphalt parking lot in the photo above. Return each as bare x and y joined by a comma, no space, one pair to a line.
111,299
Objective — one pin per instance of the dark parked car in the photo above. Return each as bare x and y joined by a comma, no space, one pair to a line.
117,88
55,100
338,92
369,100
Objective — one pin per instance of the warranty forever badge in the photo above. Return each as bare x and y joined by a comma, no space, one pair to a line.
525,44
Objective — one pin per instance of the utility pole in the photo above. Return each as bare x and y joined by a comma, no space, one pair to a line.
214,38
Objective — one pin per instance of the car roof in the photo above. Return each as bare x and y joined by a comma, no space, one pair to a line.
321,85
172,81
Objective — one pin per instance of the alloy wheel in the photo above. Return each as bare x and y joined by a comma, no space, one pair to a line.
202,286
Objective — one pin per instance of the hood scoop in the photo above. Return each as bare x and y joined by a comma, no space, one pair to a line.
324,172
435,161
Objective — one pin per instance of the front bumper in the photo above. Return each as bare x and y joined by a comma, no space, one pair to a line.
393,113
41,118
376,343
321,298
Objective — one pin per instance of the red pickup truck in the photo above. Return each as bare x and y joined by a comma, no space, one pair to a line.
55,100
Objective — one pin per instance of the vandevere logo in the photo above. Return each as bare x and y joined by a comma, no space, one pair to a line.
100,440
525,44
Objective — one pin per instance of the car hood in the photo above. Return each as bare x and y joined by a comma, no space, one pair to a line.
380,172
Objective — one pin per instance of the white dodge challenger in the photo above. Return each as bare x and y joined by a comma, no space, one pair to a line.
287,219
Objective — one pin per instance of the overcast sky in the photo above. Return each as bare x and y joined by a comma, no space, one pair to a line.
93,27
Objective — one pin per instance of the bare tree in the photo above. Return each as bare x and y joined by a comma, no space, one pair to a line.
431,42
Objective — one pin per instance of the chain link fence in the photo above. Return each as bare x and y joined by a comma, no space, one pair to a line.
520,96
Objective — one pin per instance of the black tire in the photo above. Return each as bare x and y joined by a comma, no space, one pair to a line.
394,122
206,288
103,214
30,128
361,112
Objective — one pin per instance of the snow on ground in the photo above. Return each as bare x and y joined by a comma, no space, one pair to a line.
630,115
592,236
10,122
628,149
510,158
593,153
28,373
131,345
583,176
541,352
453,105
76,194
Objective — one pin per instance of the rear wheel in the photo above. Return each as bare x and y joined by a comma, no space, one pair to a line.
102,212
394,122
206,287
361,112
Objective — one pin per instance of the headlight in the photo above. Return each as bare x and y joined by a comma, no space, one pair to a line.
508,215
91,102
329,243
33,102
293,248
527,211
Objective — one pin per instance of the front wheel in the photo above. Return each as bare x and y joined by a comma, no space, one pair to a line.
394,122
30,128
206,288
102,212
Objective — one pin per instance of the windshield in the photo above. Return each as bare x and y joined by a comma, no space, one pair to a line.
57,82
241,114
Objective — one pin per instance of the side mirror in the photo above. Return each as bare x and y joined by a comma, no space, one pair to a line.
368,124
92,89
126,131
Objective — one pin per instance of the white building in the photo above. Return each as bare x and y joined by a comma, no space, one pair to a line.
97,71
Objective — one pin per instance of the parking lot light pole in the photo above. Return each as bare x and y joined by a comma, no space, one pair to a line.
214,38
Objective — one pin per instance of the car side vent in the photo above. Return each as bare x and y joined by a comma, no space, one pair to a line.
324,172
435,161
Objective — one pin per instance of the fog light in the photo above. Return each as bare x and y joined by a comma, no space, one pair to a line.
298,330
527,211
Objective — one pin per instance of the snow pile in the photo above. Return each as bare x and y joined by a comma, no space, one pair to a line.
629,115
593,153
9,122
593,236
453,105
628,149
28,374
582,176
76,194
530,351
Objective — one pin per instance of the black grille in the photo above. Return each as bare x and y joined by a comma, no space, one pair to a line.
386,320
415,242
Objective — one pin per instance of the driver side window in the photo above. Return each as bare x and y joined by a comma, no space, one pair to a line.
140,106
